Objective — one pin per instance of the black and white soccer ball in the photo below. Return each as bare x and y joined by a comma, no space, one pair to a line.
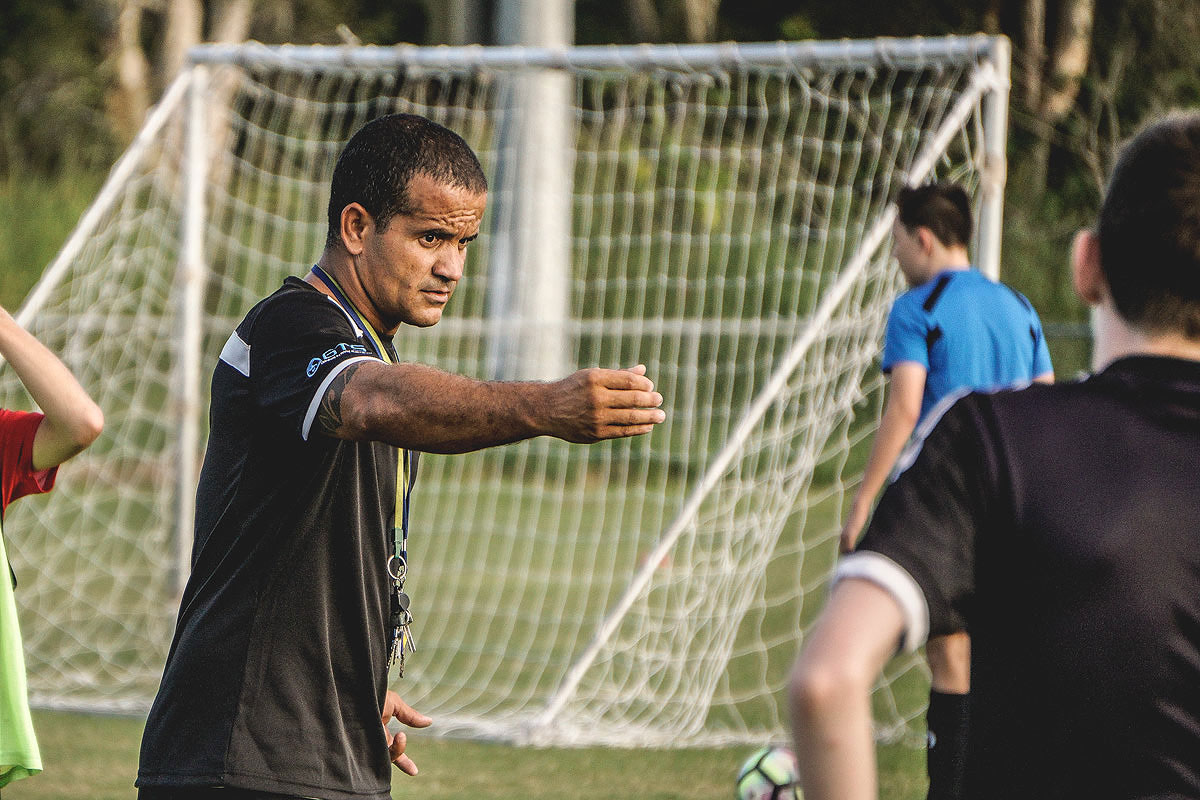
770,773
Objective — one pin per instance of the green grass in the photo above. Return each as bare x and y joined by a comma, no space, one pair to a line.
36,215
95,757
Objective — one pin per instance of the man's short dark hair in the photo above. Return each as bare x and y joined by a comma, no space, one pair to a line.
944,208
378,162
1149,229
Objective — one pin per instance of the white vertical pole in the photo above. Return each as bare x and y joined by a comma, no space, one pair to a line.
995,165
190,282
531,267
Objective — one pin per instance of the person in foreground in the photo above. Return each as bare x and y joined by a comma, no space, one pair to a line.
954,329
1057,525
276,681
32,445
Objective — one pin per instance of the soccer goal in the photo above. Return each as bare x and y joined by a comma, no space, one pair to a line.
719,213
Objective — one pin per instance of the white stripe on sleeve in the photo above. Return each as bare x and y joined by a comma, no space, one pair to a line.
315,403
236,354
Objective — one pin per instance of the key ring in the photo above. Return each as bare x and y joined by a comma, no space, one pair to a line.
400,572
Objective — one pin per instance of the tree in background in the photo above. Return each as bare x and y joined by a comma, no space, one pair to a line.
76,76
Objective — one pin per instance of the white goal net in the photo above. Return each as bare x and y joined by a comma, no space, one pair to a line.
718,213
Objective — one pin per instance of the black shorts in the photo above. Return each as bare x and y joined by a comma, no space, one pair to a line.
208,793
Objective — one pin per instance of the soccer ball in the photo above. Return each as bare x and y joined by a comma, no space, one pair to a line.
769,774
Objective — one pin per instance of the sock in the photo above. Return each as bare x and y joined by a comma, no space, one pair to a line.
947,720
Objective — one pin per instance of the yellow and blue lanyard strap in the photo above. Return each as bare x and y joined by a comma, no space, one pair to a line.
406,474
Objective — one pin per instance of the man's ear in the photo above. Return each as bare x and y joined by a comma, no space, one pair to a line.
926,239
1086,272
356,222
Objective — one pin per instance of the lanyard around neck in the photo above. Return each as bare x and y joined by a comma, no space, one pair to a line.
406,473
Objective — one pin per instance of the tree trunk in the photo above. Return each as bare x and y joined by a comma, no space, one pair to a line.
183,31
1053,82
128,102
1034,35
456,22
644,21
231,21
230,25
699,20
1069,61
991,17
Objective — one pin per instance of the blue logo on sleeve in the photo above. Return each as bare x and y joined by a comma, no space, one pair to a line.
333,354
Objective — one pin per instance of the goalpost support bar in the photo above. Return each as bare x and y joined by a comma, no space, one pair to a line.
191,275
995,164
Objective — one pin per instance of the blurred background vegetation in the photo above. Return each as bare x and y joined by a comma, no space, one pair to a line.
76,78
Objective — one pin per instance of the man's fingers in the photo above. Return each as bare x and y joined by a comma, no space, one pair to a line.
405,765
616,417
406,714
624,431
624,379
634,399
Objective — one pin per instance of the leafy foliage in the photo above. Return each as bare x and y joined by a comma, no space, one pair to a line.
58,73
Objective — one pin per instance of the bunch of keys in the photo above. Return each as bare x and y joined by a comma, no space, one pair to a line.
402,638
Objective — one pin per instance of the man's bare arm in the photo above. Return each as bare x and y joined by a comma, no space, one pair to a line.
419,407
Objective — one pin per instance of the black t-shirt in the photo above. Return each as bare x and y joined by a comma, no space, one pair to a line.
1060,527
276,675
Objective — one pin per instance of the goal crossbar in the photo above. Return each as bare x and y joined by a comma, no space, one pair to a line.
849,53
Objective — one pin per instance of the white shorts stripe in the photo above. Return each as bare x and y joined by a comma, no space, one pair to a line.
895,580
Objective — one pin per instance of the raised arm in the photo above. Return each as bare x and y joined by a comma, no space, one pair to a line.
419,407
830,691
906,388
73,420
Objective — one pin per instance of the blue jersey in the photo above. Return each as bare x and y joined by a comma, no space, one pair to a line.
968,332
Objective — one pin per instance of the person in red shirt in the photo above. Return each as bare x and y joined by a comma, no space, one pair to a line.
32,445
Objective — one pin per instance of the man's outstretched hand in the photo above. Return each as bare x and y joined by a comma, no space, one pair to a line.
595,404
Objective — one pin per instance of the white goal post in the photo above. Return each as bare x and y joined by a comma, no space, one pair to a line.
720,213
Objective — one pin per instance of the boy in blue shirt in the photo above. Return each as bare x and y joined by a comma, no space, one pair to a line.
954,330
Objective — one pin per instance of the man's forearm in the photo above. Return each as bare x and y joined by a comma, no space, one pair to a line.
419,407
438,412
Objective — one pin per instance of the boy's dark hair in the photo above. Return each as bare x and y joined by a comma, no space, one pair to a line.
1149,228
944,208
378,162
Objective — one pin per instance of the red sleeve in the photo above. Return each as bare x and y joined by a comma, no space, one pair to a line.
17,475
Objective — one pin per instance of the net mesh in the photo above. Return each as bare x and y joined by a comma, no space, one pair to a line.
718,215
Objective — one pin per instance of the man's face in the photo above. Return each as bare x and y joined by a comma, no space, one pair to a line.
906,247
410,269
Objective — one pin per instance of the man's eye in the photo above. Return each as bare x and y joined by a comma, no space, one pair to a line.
430,238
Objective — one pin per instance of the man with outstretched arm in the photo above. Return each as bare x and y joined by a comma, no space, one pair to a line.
276,683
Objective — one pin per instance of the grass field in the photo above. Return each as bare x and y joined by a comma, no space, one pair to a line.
95,757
